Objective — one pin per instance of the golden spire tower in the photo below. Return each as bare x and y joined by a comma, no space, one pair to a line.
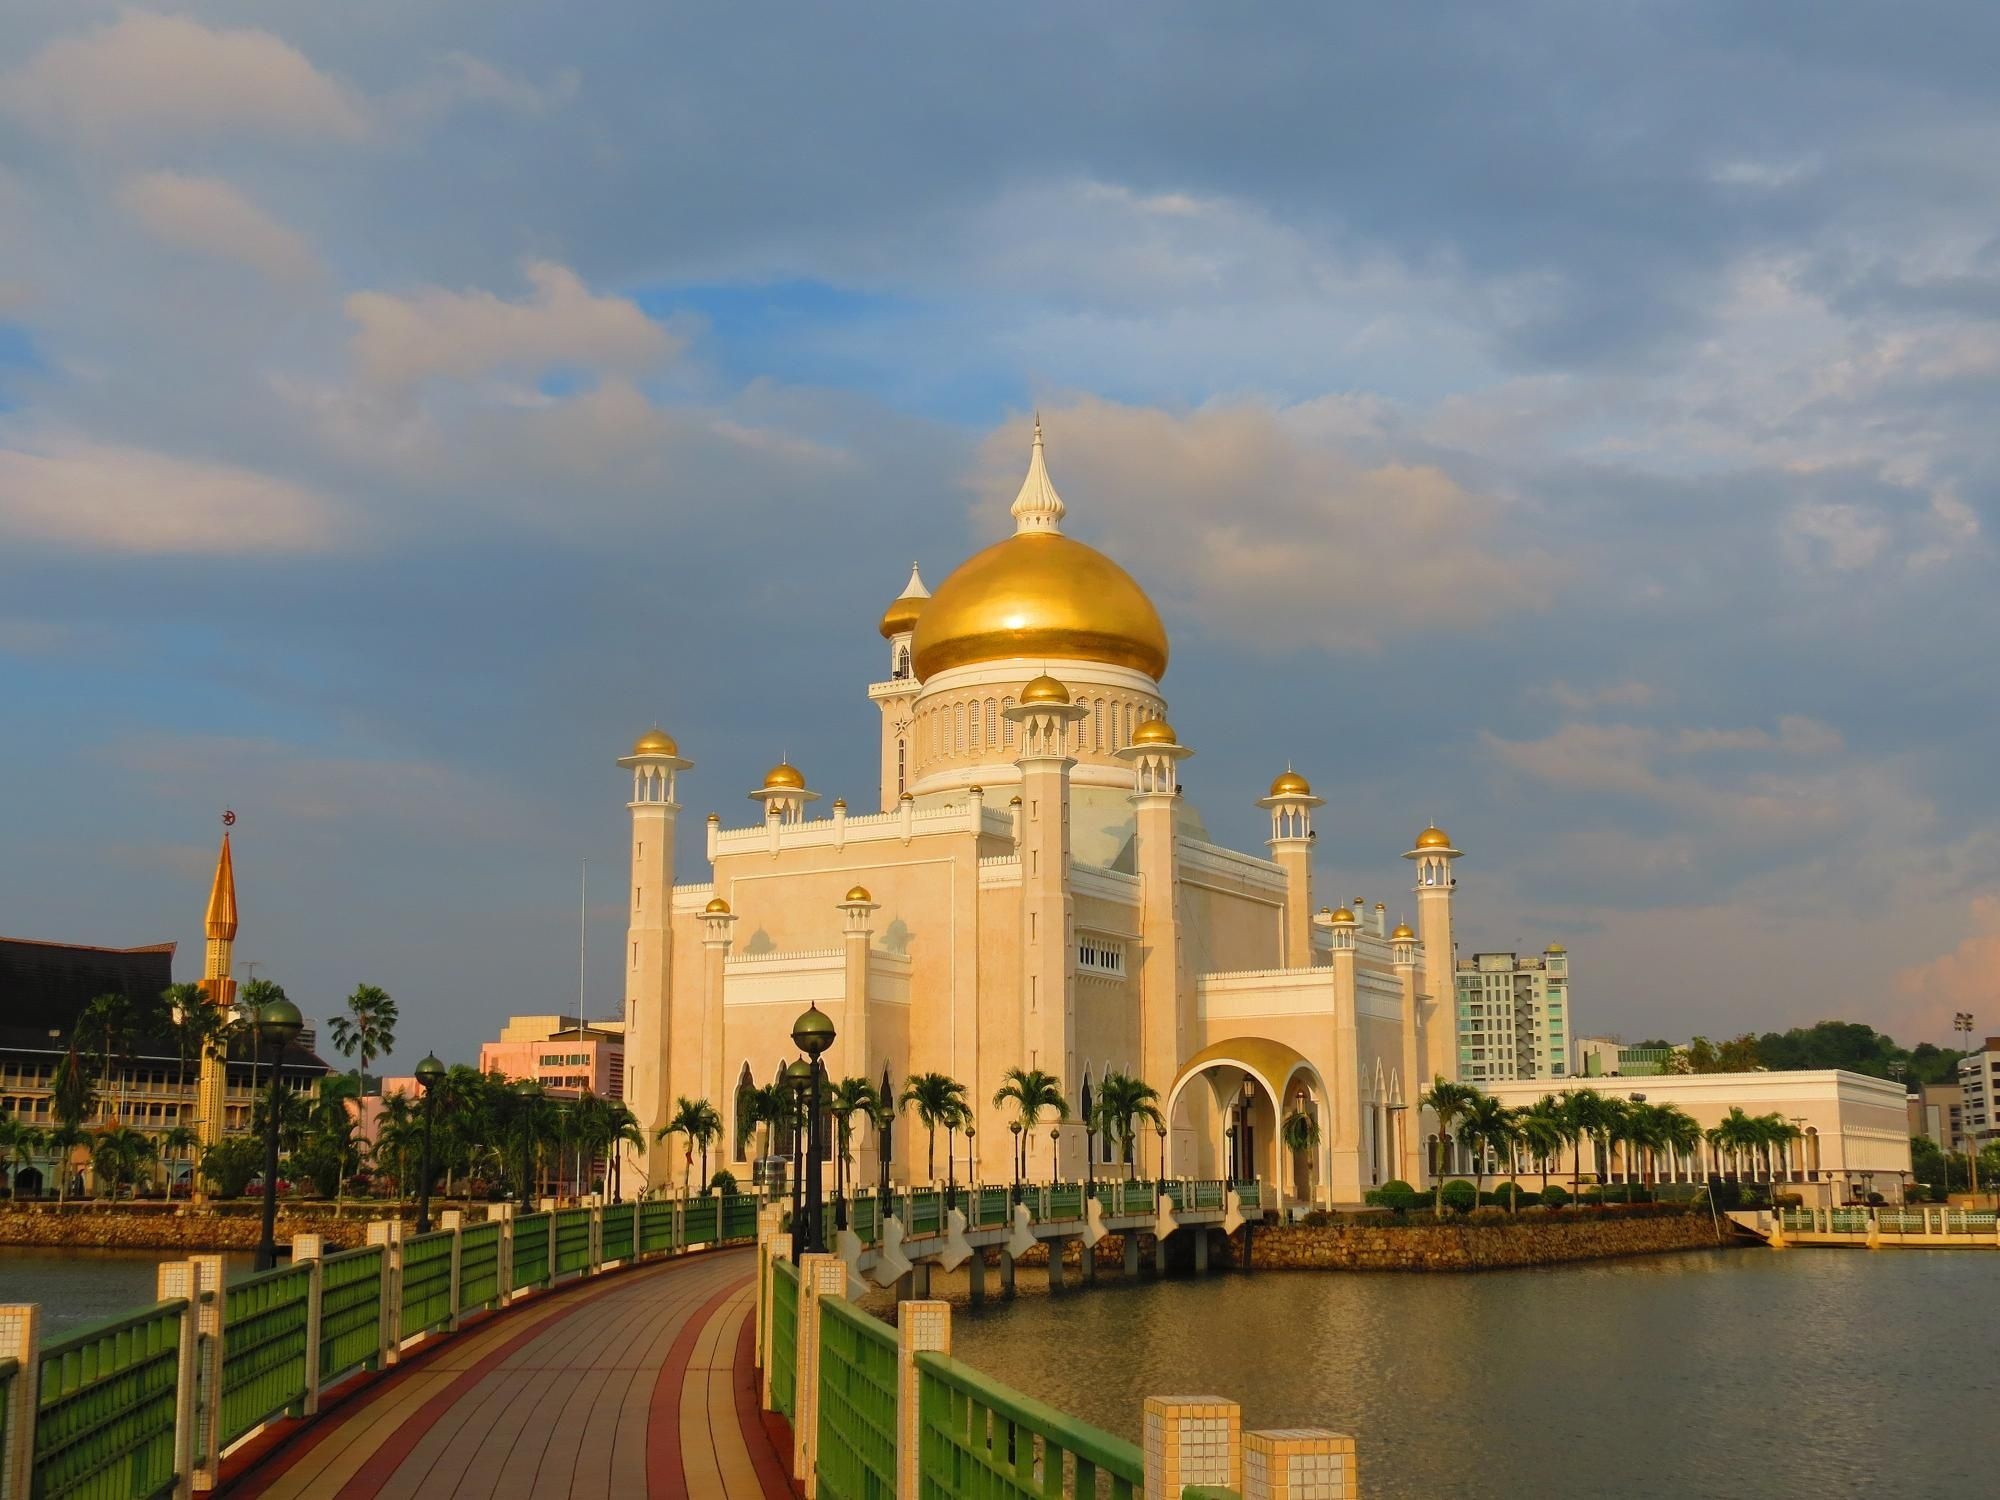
212,1093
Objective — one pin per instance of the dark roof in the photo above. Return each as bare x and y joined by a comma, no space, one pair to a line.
37,1039
44,985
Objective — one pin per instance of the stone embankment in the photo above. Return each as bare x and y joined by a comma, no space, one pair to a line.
189,1230
1492,1246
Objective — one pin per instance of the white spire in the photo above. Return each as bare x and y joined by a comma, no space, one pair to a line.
914,589
1038,507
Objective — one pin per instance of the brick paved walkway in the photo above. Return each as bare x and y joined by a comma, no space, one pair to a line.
636,1386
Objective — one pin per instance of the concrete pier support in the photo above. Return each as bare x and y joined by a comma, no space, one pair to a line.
906,1285
975,1274
920,1280
1131,1255
1006,1275
1055,1248
1160,1256
1201,1250
1088,1263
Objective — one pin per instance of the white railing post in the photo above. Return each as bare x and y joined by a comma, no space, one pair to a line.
1297,1463
819,1276
20,1340
504,1212
453,1219
175,1278
388,1233
1191,1440
778,1247
596,1238
921,1328
210,1306
308,1250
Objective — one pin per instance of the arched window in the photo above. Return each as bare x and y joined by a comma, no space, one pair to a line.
902,662
992,721
1007,731
958,730
902,766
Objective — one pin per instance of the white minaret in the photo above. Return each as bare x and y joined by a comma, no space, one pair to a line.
1291,803
1409,1144
1164,1023
1433,855
655,762
898,695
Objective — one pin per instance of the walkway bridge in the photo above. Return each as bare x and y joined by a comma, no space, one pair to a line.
1915,1226
629,1350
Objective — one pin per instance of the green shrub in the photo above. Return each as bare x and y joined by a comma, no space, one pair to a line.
1460,1197
723,1181
1555,1195
1487,1214
1395,1194
1791,1200
1507,1195
1317,1218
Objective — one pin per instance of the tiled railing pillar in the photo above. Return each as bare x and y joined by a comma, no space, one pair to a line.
778,1247
596,1239
769,1218
175,1278
209,1308
307,1250
504,1212
454,1220
819,1275
20,1329
921,1328
1301,1463
1192,1440
388,1233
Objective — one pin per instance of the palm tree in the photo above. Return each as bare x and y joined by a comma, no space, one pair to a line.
1679,1133
1585,1116
368,1028
62,1142
113,1024
625,1131
1446,1100
73,1089
1487,1126
177,1143
18,1143
118,1154
1778,1131
193,1025
1300,1134
1122,1101
768,1105
690,1120
1032,1091
329,1131
1735,1133
1545,1131
940,1100
848,1098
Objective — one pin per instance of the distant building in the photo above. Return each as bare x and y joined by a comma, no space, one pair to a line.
1608,1057
1937,1110
560,1053
1514,1017
1979,1077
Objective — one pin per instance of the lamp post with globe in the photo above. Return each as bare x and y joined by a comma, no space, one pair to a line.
277,1024
798,1079
813,1034
430,1073
530,1094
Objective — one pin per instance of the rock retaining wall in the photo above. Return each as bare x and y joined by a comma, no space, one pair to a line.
184,1229
1472,1247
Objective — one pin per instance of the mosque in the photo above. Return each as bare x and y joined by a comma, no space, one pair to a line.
1035,890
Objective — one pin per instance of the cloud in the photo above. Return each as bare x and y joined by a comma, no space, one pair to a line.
433,332
76,493
208,216
1929,992
144,75
1627,694
1269,532
468,80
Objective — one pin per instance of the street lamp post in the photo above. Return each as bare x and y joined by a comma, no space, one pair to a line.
430,1073
277,1023
887,1120
1015,1127
1089,1142
971,1161
813,1033
530,1093
798,1077
1162,1131
1055,1154
951,1162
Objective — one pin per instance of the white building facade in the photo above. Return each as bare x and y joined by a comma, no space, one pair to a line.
1515,1017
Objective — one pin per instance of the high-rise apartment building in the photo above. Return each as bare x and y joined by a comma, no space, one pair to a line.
1514,1017
1979,1076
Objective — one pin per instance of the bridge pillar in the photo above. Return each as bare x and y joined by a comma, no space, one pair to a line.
819,1276
920,1280
209,1327
1192,1441
1007,1274
306,1251
1296,1463
921,1328
1087,1259
1159,1255
975,1271
1201,1248
1131,1252
1055,1264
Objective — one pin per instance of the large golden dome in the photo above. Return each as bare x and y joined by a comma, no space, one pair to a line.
1039,594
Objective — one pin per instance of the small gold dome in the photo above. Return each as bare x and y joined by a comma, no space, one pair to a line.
1343,918
1402,931
1044,689
858,893
1154,732
1291,784
1433,837
655,741
1555,948
717,908
782,776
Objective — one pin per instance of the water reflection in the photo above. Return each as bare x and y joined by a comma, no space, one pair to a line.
1746,1373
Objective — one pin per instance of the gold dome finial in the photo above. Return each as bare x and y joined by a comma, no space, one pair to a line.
1342,917
857,895
1044,689
1433,837
717,908
784,776
222,897
1038,507
1155,732
1402,932
901,615
655,741
1290,784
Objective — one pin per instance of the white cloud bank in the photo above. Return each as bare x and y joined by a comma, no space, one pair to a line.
209,217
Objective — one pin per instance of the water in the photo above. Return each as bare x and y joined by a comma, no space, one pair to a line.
1806,1373
76,1287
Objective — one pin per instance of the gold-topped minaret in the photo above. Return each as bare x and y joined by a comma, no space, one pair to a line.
212,1094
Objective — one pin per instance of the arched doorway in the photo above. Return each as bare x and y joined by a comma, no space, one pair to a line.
1226,1114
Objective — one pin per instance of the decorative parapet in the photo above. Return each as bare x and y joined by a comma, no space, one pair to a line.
1225,869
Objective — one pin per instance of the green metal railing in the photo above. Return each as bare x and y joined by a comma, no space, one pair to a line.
979,1438
350,1312
9,1369
784,1335
104,1417
1063,1201
861,1219
1249,1195
656,1226
264,1348
572,1241
924,1211
619,1227
995,1207
702,1220
479,1266
857,1404
739,1216
426,1301
531,1251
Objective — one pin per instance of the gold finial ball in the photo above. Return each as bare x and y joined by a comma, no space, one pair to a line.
858,893
1155,732
784,776
1343,918
655,741
1555,948
1433,837
1044,689
900,618
717,908
1402,931
1291,784
909,796
840,804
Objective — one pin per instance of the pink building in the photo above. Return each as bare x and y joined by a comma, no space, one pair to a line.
559,1054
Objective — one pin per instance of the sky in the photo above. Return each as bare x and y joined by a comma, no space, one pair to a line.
1568,422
